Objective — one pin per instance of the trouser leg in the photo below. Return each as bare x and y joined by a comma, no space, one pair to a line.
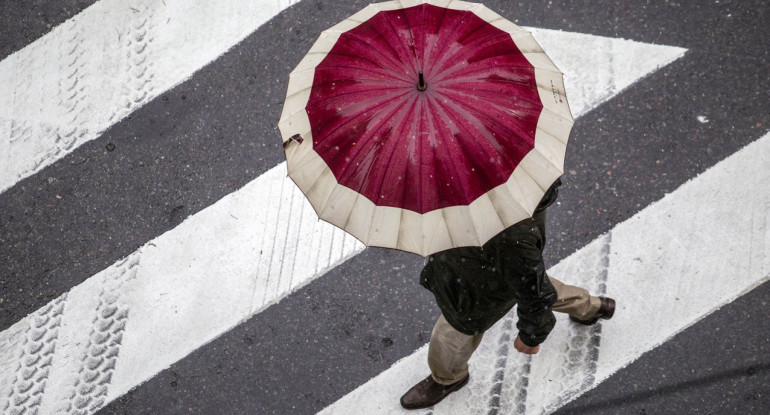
575,301
449,352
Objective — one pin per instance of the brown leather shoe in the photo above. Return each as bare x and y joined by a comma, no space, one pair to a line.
429,392
606,311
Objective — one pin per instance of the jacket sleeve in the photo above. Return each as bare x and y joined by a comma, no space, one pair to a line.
536,319
535,292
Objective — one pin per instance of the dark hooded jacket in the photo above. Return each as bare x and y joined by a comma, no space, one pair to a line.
476,286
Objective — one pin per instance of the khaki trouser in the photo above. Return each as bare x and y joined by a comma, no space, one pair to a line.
450,350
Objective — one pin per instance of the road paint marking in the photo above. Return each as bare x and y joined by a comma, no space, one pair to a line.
229,262
98,67
670,265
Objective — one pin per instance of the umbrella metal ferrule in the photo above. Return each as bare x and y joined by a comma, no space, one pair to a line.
421,85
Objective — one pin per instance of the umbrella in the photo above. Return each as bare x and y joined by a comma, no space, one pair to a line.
425,125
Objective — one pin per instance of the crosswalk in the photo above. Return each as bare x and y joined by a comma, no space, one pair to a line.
735,259
243,254
98,67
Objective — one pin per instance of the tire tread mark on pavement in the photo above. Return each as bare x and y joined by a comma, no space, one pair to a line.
138,87
581,353
512,388
20,129
71,92
503,355
35,360
89,389
521,386
70,128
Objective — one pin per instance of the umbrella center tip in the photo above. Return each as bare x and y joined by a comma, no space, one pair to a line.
421,85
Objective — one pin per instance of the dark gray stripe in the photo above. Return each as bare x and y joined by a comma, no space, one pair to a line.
23,22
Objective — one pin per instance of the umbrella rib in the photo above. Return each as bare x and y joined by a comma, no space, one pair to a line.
393,62
401,43
513,199
411,36
418,142
388,69
446,224
449,72
350,215
451,55
548,159
499,217
476,124
392,153
420,145
384,98
394,58
444,58
467,132
428,55
358,68
456,154
470,96
393,108
472,77
454,168
532,176
469,77
475,98
352,118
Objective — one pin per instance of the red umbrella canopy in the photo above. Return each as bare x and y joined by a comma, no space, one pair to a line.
424,146
423,125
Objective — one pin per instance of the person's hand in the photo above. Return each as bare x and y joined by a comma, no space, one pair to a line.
523,348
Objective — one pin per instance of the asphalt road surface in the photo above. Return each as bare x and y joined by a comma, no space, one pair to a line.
128,179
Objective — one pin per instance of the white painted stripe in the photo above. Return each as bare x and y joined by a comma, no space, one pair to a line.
597,68
670,265
90,72
197,281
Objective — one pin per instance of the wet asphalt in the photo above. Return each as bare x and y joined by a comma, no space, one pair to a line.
215,132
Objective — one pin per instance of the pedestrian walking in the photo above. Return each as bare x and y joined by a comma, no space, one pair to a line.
475,287
440,128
